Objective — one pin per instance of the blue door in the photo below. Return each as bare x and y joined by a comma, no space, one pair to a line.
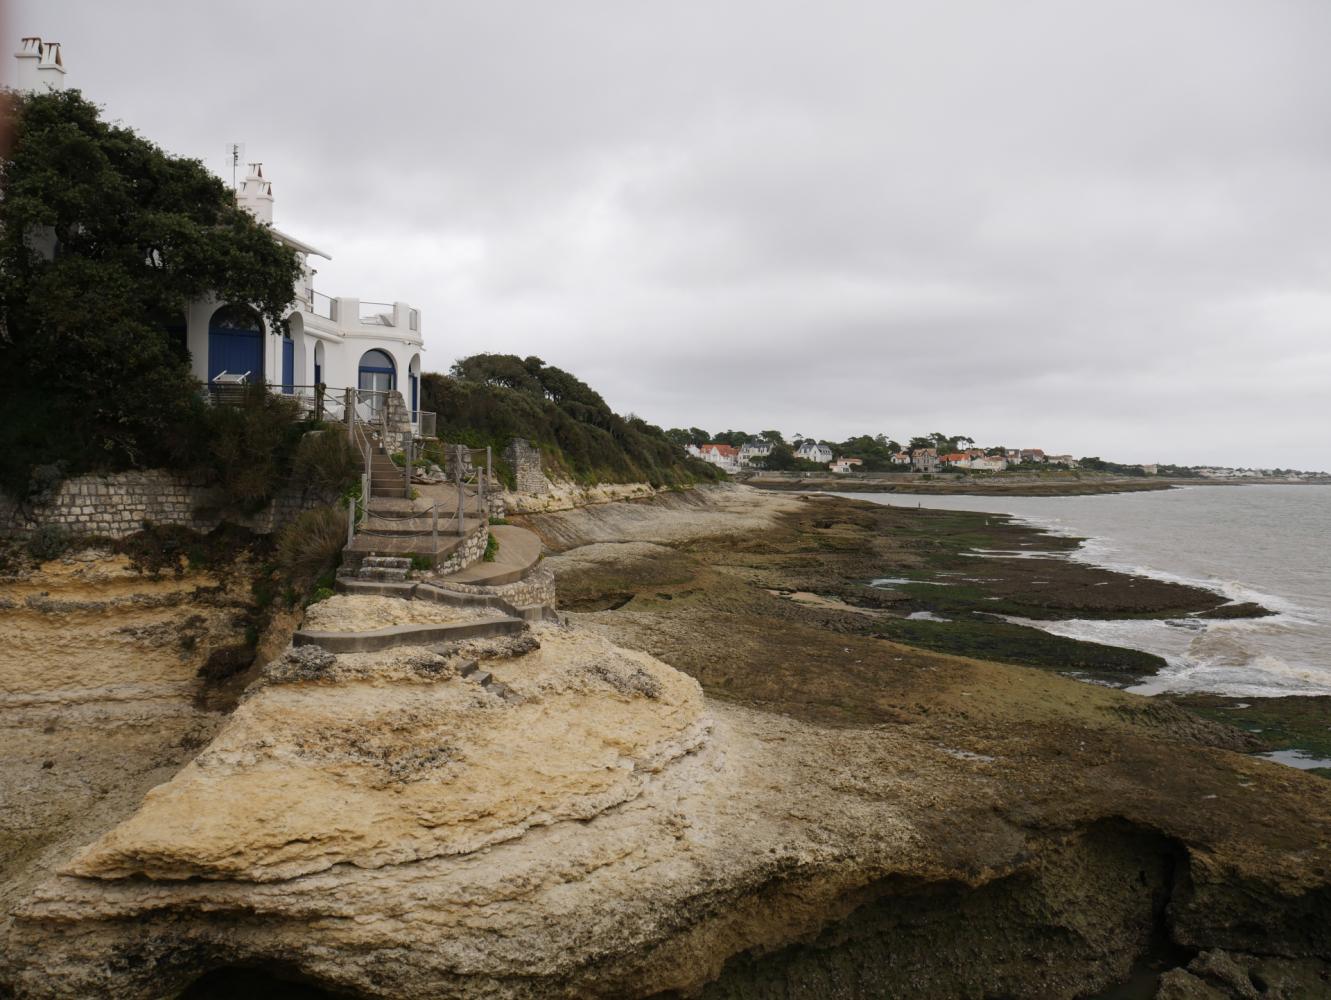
414,381
236,352
288,365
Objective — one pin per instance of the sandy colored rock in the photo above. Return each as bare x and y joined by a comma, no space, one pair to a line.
341,613
862,816
303,777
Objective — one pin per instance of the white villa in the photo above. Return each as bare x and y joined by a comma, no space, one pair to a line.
811,451
338,342
341,342
723,456
758,448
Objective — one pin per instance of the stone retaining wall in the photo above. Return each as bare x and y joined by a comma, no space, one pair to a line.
538,587
117,505
470,551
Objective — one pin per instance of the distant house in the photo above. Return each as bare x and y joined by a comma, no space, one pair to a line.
1031,455
958,458
924,459
989,463
901,458
1066,460
812,451
723,456
693,450
845,465
755,450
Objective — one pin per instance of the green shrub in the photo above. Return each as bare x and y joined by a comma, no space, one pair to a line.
50,541
321,594
250,446
326,463
310,547
491,549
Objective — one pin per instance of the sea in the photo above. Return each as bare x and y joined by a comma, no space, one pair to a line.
1265,543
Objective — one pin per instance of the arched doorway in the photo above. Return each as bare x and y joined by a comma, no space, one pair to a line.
376,375
414,378
319,363
235,343
288,364
377,371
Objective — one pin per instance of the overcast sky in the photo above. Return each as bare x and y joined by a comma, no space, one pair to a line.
1092,227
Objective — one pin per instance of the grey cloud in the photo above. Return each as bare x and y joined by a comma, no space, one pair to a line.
1096,227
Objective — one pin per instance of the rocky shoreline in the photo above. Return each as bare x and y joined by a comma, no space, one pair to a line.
721,775
1017,485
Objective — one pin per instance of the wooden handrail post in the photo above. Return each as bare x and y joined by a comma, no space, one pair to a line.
351,519
349,411
480,487
462,496
406,466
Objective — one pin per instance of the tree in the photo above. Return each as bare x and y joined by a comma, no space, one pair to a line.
104,240
772,436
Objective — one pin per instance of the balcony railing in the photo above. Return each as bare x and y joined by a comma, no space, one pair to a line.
320,304
376,313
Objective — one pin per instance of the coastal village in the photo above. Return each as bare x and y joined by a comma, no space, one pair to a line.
754,454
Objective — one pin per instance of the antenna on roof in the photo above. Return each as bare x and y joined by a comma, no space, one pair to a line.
235,152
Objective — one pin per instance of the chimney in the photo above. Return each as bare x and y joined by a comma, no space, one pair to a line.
40,66
256,194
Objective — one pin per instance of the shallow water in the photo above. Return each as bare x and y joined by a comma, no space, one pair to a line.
1266,544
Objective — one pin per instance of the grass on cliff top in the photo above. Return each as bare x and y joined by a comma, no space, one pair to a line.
490,399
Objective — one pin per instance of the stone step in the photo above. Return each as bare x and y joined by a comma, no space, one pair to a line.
387,562
469,668
381,573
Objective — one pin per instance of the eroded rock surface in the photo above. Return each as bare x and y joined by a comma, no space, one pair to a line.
841,816
395,765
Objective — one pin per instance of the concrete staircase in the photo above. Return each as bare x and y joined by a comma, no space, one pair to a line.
384,569
386,479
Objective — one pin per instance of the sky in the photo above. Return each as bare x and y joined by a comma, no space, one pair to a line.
1100,228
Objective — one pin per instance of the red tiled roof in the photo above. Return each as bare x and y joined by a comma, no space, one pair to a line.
724,450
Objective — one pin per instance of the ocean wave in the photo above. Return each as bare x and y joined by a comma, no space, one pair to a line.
1100,552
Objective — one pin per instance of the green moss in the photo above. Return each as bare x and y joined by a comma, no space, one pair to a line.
1293,723
1021,644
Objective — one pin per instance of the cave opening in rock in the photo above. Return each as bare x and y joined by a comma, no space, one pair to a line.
259,982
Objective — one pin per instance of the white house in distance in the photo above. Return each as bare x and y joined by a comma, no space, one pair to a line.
811,451
758,448
338,342
723,456
843,466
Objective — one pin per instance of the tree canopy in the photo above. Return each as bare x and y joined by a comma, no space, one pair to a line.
104,239
489,399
